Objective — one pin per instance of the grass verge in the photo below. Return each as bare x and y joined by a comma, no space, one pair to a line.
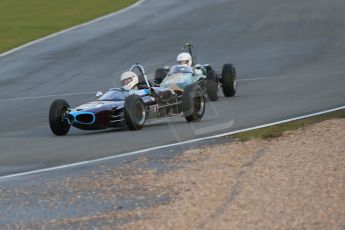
278,130
22,21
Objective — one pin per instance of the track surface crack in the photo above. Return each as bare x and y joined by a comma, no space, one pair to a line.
246,169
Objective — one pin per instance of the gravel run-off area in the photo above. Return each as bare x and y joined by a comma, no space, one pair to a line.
296,181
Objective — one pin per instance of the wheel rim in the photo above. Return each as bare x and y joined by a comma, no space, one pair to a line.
63,113
139,113
235,84
199,105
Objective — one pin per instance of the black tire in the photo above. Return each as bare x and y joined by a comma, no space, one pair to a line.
160,75
229,80
58,125
193,103
135,113
212,85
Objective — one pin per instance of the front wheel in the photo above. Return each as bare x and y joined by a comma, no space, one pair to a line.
193,103
57,122
135,114
229,80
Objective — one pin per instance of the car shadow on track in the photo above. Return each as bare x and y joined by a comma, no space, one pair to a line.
160,123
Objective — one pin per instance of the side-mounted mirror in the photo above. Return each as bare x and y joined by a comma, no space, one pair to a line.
99,94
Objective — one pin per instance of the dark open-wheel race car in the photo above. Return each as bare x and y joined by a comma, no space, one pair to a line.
179,76
128,108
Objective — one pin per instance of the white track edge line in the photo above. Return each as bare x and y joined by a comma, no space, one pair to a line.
239,80
166,146
291,76
45,96
71,28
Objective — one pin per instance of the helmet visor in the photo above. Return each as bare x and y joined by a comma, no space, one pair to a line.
184,62
126,81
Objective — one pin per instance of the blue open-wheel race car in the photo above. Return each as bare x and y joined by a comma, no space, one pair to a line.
128,108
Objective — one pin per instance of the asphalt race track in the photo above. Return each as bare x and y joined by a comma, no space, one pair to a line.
289,57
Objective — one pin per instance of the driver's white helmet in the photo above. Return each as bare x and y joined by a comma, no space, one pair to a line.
184,59
129,80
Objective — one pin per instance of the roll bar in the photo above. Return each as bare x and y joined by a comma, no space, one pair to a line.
190,51
142,71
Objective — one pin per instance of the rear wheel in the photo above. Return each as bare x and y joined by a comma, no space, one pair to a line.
135,114
212,85
229,80
57,122
193,103
160,74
